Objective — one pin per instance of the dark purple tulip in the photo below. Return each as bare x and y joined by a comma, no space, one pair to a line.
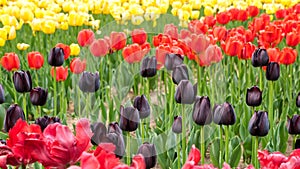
185,92
202,114
298,100
149,152
43,122
297,144
259,124
56,57
172,60
89,82
22,81
179,73
224,114
13,113
129,119
141,103
2,95
115,136
177,125
38,96
148,67
99,131
293,124
114,128
260,58
273,71
253,96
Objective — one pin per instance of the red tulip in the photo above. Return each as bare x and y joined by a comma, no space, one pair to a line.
160,39
290,25
247,51
281,13
193,158
117,40
212,54
199,42
61,73
253,11
220,32
134,52
233,12
249,35
77,66
99,48
270,36
223,18
292,38
274,54
210,21
10,61
160,54
197,27
139,36
242,15
66,49
233,47
171,30
273,160
35,60
184,33
288,56
85,37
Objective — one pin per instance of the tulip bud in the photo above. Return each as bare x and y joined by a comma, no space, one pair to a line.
99,131
22,81
148,67
260,58
115,136
43,122
273,71
297,144
185,92
130,118
179,73
2,95
298,100
224,114
141,103
13,113
56,57
89,82
202,112
38,96
172,60
253,96
149,152
177,125
259,124
114,128
293,124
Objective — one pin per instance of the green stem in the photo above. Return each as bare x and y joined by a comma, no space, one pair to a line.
260,78
24,107
202,145
171,102
226,144
36,78
198,79
54,93
15,92
255,150
221,147
183,133
178,152
128,148
79,101
270,107
87,104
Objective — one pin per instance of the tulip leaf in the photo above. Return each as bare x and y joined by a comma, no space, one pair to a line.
215,152
235,151
3,136
281,137
2,116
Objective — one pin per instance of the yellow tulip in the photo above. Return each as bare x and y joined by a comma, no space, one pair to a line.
136,9
9,20
14,11
183,15
95,24
176,4
96,7
82,8
196,4
54,7
126,16
61,17
116,12
26,14
11,33
137,20
39,13
195,14
2,2
63,26
75,49
152,13
36,25
164,7
208,11
134,1
286,2
43,4
187,7
48,26
68,6
3,33
106,8
22,46
2,42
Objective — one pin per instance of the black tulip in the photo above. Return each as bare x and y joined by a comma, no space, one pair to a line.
293,124
149,152
185,92
115,137
179,73
172,60
22,81
297,144
2,95
114,128
298,100
148,67
259,124
13,113
202,114
273,71
38,96
224,114
177,125
3,141
260,57
56,57
253,96
43,122
141,103
99,131
89,82
130,118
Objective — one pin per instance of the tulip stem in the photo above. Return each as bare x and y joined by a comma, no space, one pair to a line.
221,147
171,101
226,144
54,92
198,79
79,101
183,133
270,108
15,93
24,106
36,78
260,78
178,151
128,148
202,145
255,154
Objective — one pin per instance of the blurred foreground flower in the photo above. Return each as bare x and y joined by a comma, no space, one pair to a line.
22,46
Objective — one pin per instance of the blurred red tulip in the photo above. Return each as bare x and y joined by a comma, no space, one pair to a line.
242,15
223,18
199,42
281,13
296,8
220,32
272,160
85,37
197,27
77,66
160,54
35,60
292,38
212,54
10,61
252,10
139,36
274,54
210,21
134,52
118,40
288,56
233,12
233,47
61,73
247,51
184,33
177,50
249,35
171,30
161,39
290,25
66,49
99,48
270,36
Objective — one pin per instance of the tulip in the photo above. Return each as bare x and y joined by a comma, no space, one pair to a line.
85,37
253,11
89,82
141,103
171,30
99,48
56,57
43,122
179,73
298,100
149,152
22,46
2,95
38,96
99,135
148,67
35,60
172,60
139,36
297,144
260,58
10,61
66,49
13,113
77,66
259,124
288,56
199,43
247,51
115,136
134,53
22,81
129,119
223,18
224,114
202,114
253,96
293,124
61,73
75,49
114,128
118,40
273,71
177,125
160,53
292,38
185,92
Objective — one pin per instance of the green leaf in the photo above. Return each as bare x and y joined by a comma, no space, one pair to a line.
215,152
3,135
235,151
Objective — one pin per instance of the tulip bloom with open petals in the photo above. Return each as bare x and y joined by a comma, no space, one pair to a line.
99,48
117,40
134,52
10,61
85,37
223,18
66,49
171,30
287,56
139,36
35,60
292,38
61,73
77,66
